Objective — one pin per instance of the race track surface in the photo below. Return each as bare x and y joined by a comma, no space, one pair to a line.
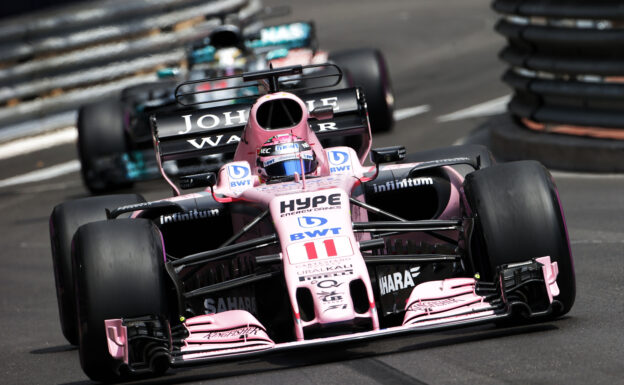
443,59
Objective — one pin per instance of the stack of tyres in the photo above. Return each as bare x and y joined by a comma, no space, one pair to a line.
566,69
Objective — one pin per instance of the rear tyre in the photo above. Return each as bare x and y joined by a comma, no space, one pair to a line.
66,218
367,68
519,217
101,135
119,272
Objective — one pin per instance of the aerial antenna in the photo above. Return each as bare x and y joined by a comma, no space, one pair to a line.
303,175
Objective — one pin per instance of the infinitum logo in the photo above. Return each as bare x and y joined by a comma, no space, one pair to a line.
400,184
188,216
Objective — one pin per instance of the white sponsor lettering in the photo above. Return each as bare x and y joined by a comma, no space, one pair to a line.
398,281
210,121
213,141
187,122
400,184
188,216
241,117
327,126
333,101
215,121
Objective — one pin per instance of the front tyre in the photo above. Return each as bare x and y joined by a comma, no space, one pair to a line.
119,272
65,219
519,217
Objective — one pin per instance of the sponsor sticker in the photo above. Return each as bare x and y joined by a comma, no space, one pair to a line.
237,171
319,249
221,304
319,233
309,222
339,162
390,283
431,305
239,176
309,204
238,333
402,184
189,216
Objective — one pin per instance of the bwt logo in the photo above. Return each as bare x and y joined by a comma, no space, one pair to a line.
339,160
315,233
238,172
338,157
308,222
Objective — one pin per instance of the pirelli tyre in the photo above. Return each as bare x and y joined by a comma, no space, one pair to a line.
119,273
367,68
101,136
518,217
65,219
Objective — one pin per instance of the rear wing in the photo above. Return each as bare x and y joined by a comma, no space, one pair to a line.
217,130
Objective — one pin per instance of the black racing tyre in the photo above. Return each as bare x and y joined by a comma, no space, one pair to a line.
119,272
367,68
65,219
100,134
519,217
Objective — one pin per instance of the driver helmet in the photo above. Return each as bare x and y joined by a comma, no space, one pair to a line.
284,155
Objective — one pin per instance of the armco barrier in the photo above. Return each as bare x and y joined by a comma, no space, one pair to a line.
566,68
56,60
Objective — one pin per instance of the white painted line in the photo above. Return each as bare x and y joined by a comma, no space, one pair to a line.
492,107
594,242
409,112
583,175
43,174
37,143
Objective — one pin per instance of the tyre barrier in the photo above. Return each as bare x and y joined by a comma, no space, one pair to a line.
566,68
57,59
510,140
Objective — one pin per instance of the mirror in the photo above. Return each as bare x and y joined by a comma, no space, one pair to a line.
207,179
387,154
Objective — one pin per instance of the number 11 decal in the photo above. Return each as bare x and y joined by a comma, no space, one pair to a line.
330,249
319,249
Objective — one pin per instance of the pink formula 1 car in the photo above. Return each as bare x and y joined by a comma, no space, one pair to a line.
297,244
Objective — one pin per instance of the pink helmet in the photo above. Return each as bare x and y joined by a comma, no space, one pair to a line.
284,155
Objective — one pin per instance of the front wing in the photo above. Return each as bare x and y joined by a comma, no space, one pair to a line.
433,308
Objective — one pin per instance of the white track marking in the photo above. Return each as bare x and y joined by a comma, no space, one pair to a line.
583,175
37,143
492,107
43,174
406,113
595,242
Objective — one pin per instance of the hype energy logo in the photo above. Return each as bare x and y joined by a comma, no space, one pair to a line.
310,222
339,162
238,175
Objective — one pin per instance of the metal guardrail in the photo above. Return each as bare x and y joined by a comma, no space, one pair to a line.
566,64
59,59
89,14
